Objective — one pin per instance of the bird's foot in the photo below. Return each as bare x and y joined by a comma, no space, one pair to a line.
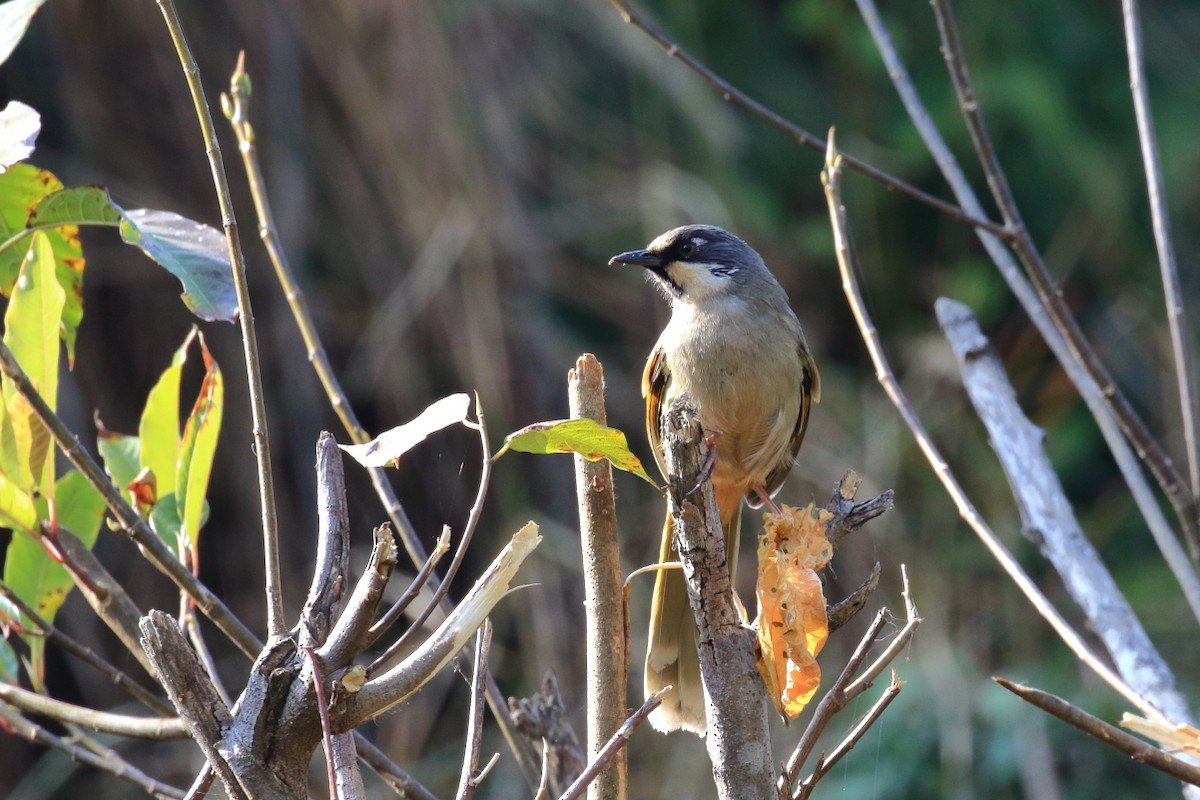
710,459
766,498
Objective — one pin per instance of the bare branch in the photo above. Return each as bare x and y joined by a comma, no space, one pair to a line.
606,671
1049,520
188,686
544,719
36,734
826,763
414,587
1049,294
613,745
258,411
117,724
1181,340
470,776
332,564
1089,389
238,112
131,522
1129,744
735,698
86,654
887,379
733,95
351,634
398,683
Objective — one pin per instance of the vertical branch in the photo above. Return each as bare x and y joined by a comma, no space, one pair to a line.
735,698
1181,346
237,109
258,411
606,672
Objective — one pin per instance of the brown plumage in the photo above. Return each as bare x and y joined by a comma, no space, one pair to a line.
735,347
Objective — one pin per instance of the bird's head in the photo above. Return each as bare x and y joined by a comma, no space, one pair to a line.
696,263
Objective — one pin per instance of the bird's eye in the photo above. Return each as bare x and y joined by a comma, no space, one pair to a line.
688,249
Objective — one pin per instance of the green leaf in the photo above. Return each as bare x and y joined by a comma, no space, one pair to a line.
159,426
19,127
165,520
198,447
31,325
29,570
194,253
15,16
22,189
390,445
75,205
17,510
584,437
122,458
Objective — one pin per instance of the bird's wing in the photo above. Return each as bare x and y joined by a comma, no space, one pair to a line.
810,392
655,379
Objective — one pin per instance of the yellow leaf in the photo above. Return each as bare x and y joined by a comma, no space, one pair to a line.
792,624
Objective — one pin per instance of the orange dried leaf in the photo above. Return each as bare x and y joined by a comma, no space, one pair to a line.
792,623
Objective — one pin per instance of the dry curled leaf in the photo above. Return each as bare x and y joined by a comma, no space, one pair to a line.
792,623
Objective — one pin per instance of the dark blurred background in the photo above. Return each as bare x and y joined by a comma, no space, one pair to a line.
450,179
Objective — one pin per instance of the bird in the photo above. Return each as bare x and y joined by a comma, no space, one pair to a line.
735,347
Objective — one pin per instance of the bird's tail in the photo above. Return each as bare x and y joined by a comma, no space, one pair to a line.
672,656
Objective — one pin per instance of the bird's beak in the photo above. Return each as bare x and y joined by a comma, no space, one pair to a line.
640,258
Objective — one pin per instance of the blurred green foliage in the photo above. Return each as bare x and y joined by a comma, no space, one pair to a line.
451,178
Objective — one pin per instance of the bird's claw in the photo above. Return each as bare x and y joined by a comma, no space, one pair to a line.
710,460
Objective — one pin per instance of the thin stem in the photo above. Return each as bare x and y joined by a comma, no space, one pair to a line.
1132,746
414,588
611,747
237,110
887,379
1050,295
459,554
731,94
36,734
258,411
826,763
86,654
130,521
1181,343
470,776
1091,392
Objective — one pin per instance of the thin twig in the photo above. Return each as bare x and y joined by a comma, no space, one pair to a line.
469,778
414,587
887,379
1181,340
237,110
1091,392
258,412
614,744
319,678
731,94
459,554
1158,461
131,522
1135,748
122,769
831,703
86,654
163,728
826,763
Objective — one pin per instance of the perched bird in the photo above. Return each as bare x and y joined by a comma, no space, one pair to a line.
735,347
